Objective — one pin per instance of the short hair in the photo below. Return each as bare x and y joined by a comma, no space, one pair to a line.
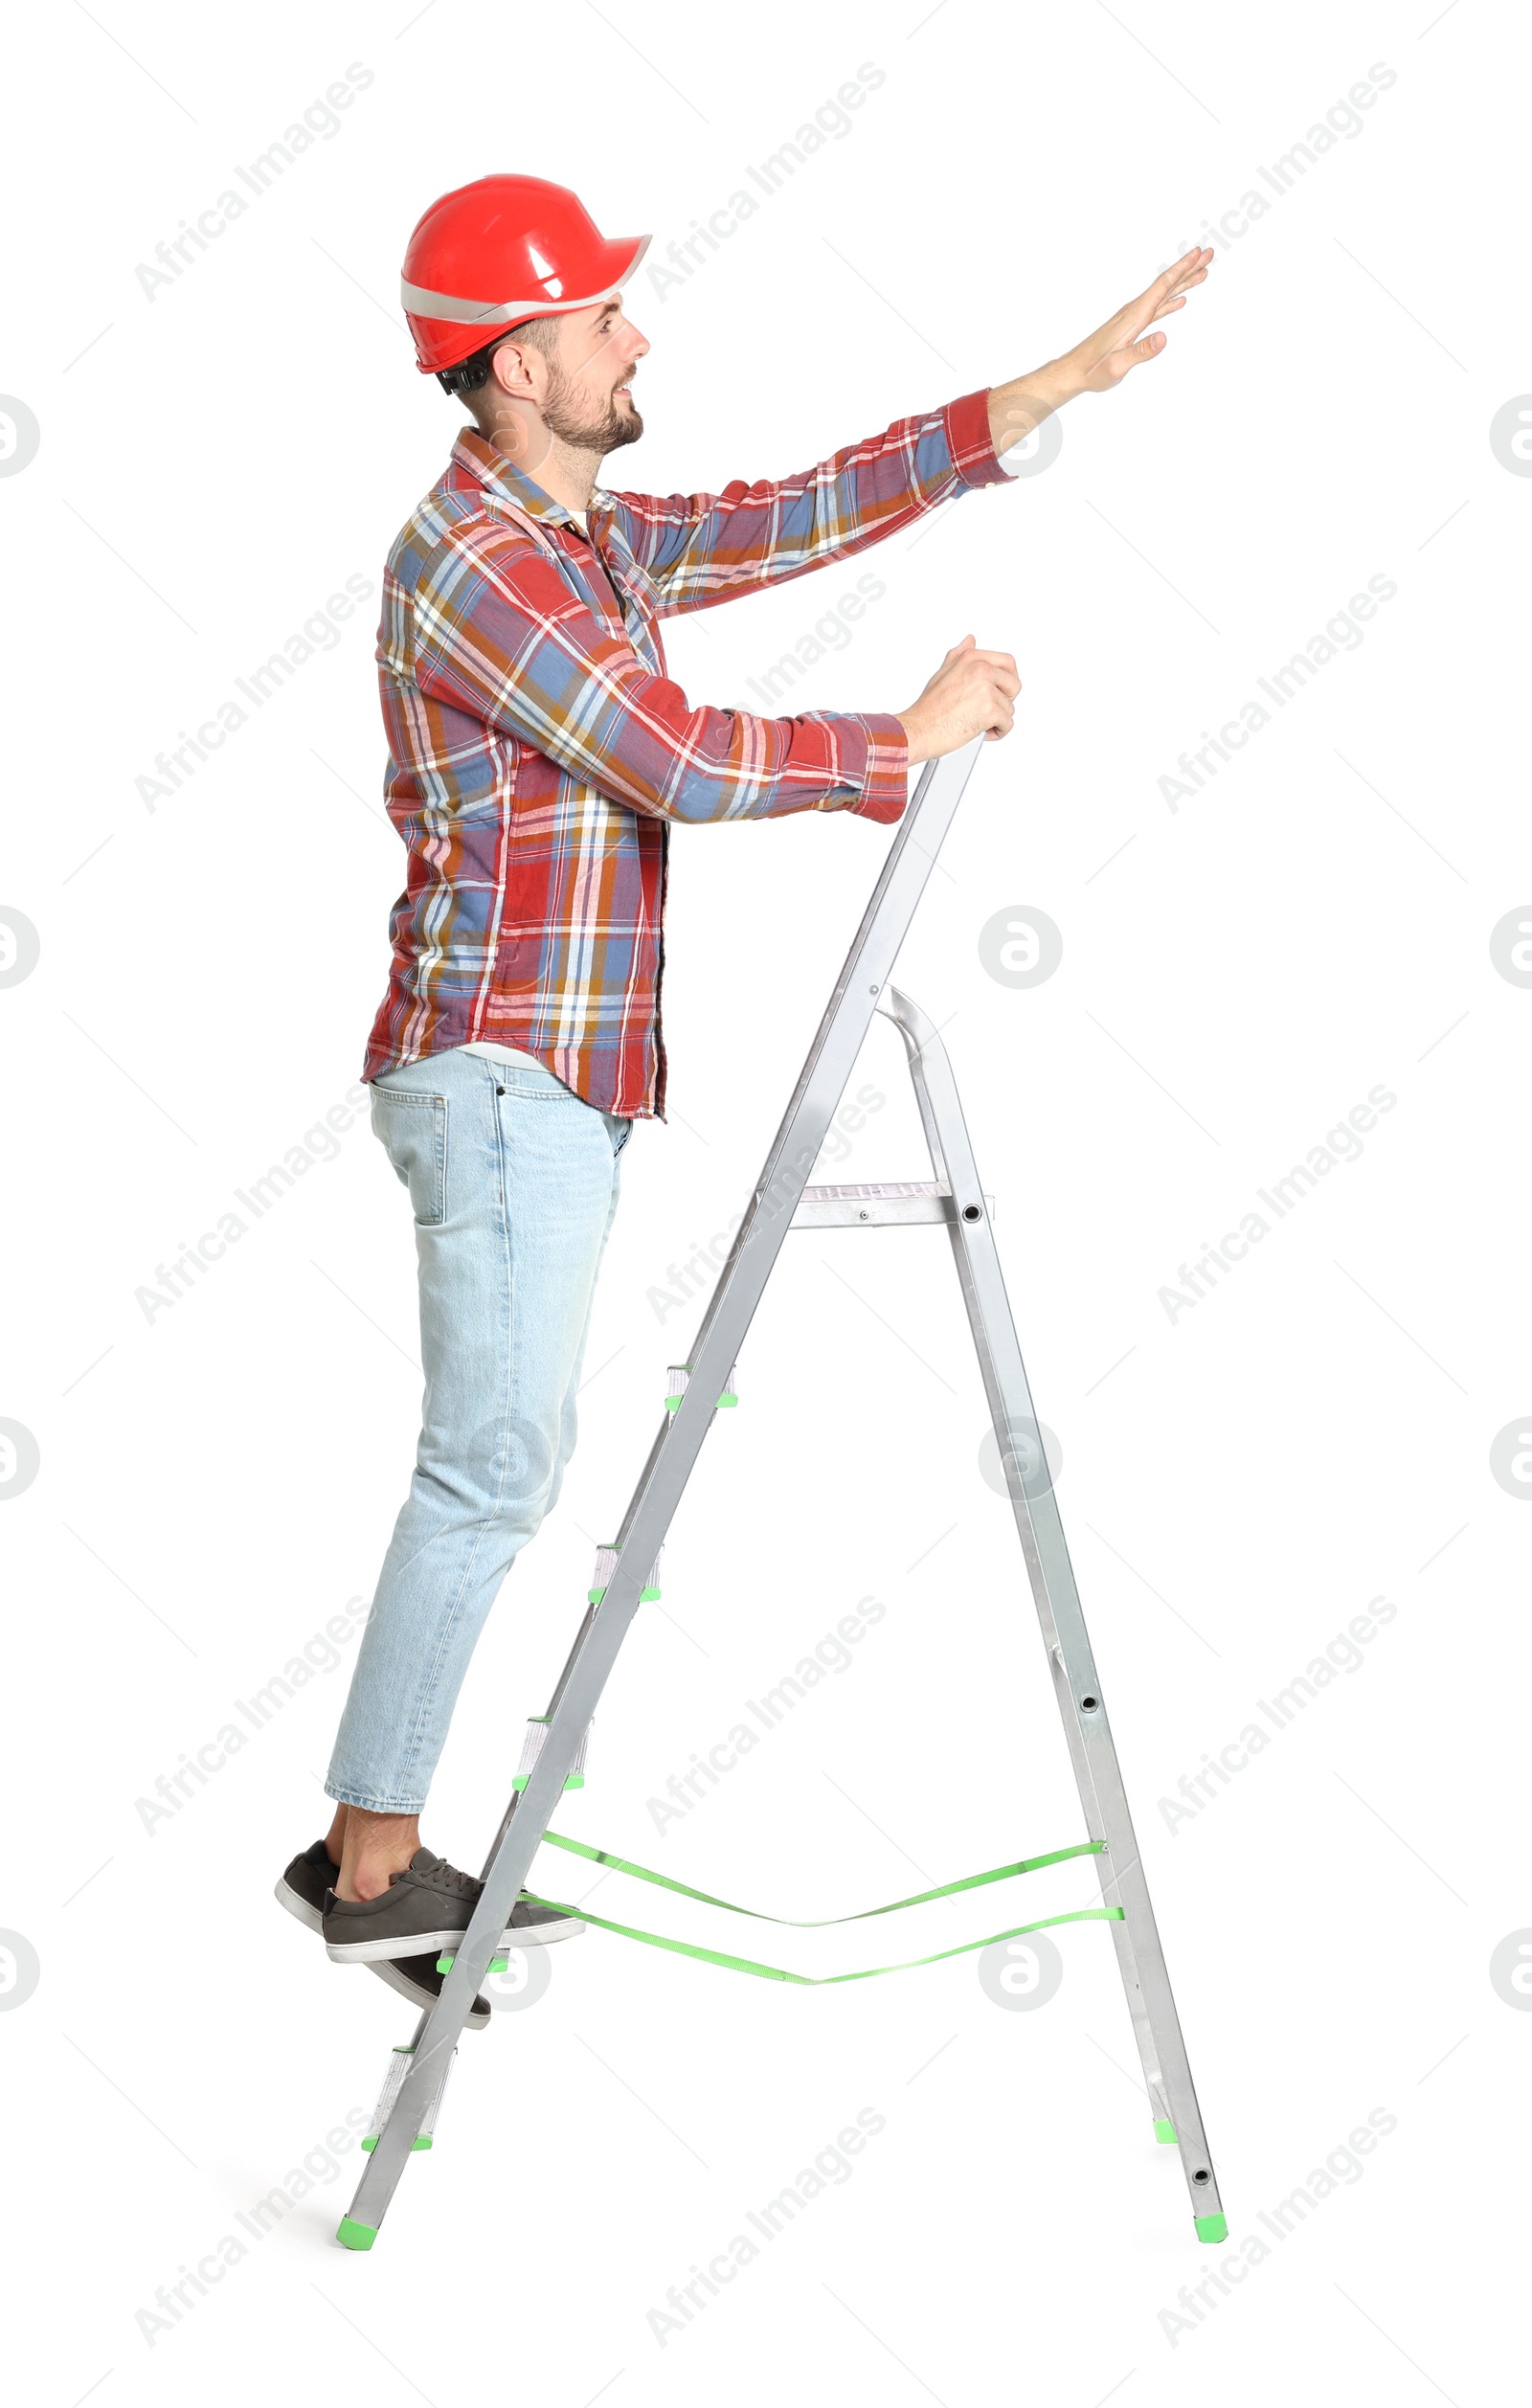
472,375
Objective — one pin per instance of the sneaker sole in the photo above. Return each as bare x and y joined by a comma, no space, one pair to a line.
376,1953
438,1943
385,1969
309,1916
543,1935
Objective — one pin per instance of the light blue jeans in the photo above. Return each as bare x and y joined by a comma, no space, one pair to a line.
514,1181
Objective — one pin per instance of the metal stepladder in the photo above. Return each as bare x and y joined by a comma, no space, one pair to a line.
783,1199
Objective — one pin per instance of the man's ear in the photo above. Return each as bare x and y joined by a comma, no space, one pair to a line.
510,369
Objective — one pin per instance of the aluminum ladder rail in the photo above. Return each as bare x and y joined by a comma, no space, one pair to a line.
1092,1752
782,1200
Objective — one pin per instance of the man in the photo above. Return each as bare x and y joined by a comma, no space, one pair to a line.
538,754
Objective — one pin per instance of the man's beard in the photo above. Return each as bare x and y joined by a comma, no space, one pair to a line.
600,431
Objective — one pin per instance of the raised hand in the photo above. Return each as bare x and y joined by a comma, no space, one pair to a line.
1104,358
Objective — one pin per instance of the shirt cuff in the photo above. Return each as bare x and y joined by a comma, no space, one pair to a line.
970,442
885,788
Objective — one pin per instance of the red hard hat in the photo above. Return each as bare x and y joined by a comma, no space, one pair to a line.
493,254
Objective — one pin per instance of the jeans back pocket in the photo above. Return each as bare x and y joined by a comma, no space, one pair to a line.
414,1132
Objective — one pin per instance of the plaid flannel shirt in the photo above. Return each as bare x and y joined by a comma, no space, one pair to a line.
538,750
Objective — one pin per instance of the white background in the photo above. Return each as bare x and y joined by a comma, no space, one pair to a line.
1238,1482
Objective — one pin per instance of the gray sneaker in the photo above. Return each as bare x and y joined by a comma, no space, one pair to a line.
425,1910
303,1886
417,1979
302,1889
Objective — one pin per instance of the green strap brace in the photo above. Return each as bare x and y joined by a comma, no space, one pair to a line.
809,1981
949,1889
820,1981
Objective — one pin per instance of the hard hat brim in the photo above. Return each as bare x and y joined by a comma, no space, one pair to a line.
449,328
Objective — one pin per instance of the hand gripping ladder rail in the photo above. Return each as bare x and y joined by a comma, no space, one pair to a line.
783,1199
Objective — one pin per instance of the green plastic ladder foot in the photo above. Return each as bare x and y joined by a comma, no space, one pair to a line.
1163,2132
354,2235
1213,2228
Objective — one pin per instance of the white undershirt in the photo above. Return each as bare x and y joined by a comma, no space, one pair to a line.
504,1053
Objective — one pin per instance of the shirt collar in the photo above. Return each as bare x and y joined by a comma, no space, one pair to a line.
490,468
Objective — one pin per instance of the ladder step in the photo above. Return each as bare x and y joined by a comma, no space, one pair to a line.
532,1748
881,1188
885,1202
679,1373
606,1562
393,2084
